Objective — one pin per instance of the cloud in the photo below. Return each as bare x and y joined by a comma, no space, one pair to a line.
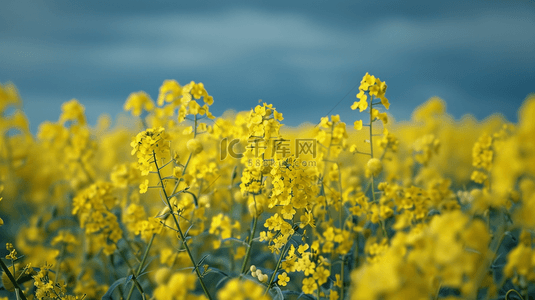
249,53
227,37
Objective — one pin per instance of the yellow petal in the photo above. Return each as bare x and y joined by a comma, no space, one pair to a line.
358,125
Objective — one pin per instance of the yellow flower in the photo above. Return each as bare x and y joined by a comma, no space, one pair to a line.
381,116
378,88
307,219
162,275
335,118
325,123
321,275
222,225
283,279
197,90
385,102
177,171
12,252
193,108
144,187
309,285
373,167
367,81
153,141
375,87
362,104
302,248
169,91
73,111
338,281
179,286
478,177
305,265
194,146
278,116
236,289
358,124
334,295
209,100
137,102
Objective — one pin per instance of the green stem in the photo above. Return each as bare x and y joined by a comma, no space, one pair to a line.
13,267
372,184
140,268
59,262
126,261
12,279
341,214
181,234
511,291
277,267
187,163
490,255
371,155
371,134
356,263
248,253
489,175
371,146
327,159
342,278
129,244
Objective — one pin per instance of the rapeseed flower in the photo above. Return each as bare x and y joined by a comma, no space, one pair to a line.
283,279
235,289
137,102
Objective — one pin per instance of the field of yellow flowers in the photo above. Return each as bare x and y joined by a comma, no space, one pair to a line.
174,203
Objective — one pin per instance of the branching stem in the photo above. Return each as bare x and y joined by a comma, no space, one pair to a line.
181,234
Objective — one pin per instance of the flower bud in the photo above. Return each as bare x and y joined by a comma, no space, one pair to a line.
374,167
194,146
177,171
162,275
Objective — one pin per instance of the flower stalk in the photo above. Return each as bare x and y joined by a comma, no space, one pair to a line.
179,230
18,290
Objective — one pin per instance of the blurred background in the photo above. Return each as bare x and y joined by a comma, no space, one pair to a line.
305,57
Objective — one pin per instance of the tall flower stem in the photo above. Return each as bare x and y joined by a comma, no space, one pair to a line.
277,267
250,242
140,268
12,279
371,144
179,230
371,156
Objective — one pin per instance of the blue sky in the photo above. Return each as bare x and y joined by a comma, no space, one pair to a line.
302,56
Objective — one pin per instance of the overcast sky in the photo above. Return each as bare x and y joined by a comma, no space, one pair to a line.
302,56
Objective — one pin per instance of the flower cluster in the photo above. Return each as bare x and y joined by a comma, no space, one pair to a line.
149,144
93,207
425,147
482,158
47,289
242,207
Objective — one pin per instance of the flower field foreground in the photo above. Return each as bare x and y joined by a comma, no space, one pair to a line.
173,203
